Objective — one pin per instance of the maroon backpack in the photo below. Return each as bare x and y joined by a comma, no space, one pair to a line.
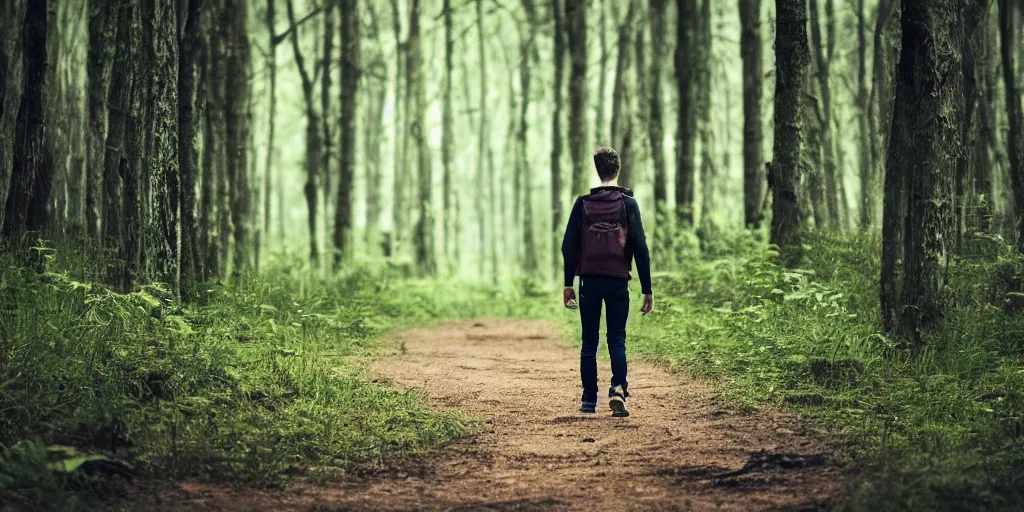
603,248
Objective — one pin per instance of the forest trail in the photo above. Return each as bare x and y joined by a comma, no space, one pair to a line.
680,450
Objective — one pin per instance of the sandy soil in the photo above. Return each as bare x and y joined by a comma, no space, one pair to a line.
680,450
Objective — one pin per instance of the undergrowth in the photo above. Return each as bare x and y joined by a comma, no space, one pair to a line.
938,428
264,380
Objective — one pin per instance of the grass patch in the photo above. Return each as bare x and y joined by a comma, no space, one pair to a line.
263,381
942,429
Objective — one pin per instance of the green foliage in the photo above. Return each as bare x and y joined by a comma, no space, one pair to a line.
939,429
265,379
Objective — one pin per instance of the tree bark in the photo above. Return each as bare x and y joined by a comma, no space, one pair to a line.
115,156
526,52
270,16
655,124
238,122
556,128
600,135
703,103
753,159
1015,138
925,140
483,145
350,71
313,133
792,58
101,55
686,64
824,118
189,115
576,35
447,139
623,98
325,110
163,155
400,211
31,171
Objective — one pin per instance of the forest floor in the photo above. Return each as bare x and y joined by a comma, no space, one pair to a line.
682,448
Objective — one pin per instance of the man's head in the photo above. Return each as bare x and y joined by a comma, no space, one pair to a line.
606,160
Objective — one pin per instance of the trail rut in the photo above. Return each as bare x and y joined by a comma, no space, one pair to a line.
682,449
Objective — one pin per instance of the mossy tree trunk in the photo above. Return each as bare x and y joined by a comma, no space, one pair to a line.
100,58
792,58
624,97
925,140
313,134
189,116
238,118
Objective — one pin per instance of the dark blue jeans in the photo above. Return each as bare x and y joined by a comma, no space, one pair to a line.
614,293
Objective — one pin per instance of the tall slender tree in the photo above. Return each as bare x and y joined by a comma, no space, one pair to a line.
424,240
792,58
1015,117
100,58
238,125
686,65
526,53
576,33
189,116
448,202
753,160
655,125
313,135
350,72
558,15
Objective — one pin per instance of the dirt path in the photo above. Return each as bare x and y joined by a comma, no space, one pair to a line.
680,449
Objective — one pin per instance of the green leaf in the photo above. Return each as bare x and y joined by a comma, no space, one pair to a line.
71,465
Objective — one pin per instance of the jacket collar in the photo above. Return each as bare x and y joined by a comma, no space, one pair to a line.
625,191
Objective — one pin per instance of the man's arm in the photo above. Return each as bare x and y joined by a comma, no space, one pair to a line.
571,243
641,254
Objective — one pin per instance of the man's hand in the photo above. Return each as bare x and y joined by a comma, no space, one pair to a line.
569,297
648,304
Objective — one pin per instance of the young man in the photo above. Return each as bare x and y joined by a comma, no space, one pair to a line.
602,238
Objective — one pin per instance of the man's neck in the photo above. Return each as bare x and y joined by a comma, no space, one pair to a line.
611,183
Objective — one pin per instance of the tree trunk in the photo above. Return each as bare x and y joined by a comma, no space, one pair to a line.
576,35
189,114
313,133
824,117
31,171
556,129
238,121
623,99
602,77
703,104
483,146
655,124
863,118
350,70
115,156
425,224
792,57
753,159
987,139
163,156
526,53
686,64
926,131
373,127
325,110
1015,138
9,94
880,102
101,55
400,210
447,139
268,164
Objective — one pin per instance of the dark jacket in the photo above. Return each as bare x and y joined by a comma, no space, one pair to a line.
636,242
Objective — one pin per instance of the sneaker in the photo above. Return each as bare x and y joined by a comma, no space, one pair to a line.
588,407
617,402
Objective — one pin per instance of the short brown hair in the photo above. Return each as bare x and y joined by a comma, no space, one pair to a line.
607,162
